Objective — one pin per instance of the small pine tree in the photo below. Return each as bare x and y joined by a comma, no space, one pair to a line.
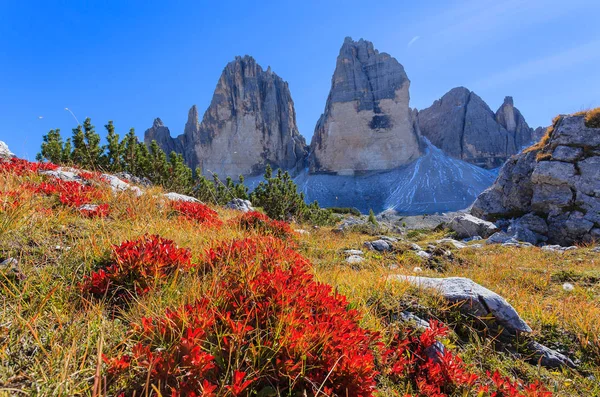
78,155
93,150
52,147
372,218
143,161
129,152
112,156
180,175
66,152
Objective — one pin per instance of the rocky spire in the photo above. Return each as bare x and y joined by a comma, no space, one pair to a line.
463,125
510,118
367,123
251,122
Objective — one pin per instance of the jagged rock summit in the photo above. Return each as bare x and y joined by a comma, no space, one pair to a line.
5,152
552,190
251,122
367,124
463,126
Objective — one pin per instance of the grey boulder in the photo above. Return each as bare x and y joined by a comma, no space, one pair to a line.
240,205
477,299
378,245
466,225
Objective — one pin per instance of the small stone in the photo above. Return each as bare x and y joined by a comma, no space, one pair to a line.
354,259
423,254
240,205
353,252
378,245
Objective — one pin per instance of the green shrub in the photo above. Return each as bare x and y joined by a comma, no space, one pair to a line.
345,210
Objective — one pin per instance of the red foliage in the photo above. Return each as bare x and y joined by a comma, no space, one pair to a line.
265,324
9,200
436,372
135,268
99,211
264,225
20,167
198,212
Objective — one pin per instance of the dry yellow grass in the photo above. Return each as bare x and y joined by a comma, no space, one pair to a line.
50,339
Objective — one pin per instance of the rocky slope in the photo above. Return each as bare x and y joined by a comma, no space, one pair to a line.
251,122
433,183
367,124
553,189
463,126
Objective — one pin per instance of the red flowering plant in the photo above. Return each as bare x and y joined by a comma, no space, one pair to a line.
95,211
264,225
428,368
196,212
264,325
20,167
136,267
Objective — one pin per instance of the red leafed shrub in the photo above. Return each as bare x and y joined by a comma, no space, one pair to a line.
96,211
135,268
435,372
264,225
20,167
70,193
265,325
198,212
10,200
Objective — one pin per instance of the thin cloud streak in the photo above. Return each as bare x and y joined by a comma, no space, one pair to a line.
412,41
542,66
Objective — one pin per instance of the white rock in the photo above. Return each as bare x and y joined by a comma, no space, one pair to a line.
301,231
466,225
456,244
479,300
118,185
65,174
181,197
423,254
5,152
353,252
353,259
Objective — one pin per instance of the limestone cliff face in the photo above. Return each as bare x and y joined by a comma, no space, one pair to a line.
553,190
251,122
367,124
463,125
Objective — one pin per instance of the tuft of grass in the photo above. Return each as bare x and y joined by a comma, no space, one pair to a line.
592,118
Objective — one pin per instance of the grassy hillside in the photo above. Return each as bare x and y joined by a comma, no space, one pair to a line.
226,305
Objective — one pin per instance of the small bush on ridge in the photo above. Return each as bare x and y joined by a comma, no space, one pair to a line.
198,212
136,267
264,225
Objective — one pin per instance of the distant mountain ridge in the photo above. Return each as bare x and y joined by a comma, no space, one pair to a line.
367,140
463,126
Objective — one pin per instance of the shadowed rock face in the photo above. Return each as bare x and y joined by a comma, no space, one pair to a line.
463,126
367,124
251,122
559,188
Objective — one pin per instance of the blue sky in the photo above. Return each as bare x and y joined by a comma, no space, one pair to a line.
132,61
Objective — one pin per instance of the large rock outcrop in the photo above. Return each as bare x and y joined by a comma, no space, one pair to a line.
5,153
251,122
463,126
367,124
553,188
